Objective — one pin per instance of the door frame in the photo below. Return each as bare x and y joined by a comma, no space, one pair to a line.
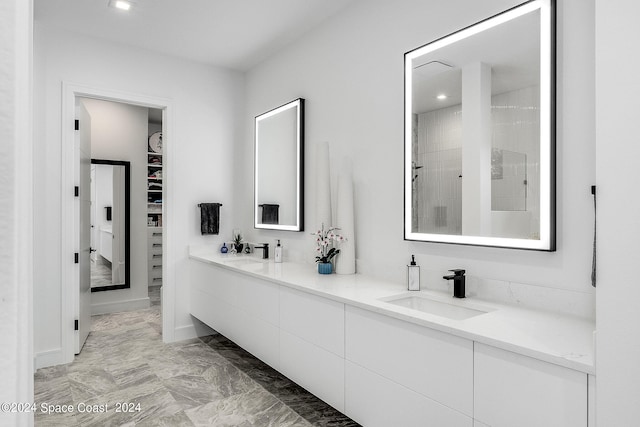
68,245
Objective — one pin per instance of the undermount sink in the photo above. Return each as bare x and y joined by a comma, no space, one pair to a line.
243,261
431,306
248,263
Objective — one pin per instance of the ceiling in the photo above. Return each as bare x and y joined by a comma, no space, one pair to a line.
511,49
236,34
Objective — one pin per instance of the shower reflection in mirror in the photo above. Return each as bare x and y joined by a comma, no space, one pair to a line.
109,224
479,133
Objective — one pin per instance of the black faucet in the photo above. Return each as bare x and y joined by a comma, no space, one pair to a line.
458,282
265,248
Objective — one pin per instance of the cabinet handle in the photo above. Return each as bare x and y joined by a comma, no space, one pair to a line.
157,256
157,279
157,266
156,234
157,245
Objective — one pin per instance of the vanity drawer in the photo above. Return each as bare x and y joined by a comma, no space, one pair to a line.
375,401
432,363
317,320
318,370
511,389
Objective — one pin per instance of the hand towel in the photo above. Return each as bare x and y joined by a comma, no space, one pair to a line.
209,218
270,214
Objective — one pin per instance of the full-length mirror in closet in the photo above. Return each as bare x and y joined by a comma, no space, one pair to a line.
110,224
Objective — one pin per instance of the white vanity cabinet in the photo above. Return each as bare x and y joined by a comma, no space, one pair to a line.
379,367
399,371
239,307
515,390
312,344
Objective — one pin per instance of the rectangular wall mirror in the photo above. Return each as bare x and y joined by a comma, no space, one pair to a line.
278,168
110,224
480,133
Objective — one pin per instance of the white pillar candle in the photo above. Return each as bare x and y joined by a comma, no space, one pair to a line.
323,186
346,259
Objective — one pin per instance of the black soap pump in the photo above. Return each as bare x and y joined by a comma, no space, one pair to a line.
413,275
278,255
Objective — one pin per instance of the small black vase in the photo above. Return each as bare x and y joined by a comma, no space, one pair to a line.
239,247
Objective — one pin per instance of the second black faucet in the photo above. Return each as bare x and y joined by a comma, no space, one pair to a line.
265,248
458,282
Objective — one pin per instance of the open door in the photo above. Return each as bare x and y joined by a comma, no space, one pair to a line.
83,178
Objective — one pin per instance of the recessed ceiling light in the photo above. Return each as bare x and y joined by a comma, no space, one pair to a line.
442,96
120,4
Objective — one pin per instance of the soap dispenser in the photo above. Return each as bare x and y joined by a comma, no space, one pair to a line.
413,275
278,254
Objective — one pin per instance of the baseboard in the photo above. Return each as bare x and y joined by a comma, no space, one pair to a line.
182,333
119,306
198,329
48,358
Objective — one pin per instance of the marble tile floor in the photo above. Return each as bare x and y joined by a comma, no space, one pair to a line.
154,295
199,382
100,274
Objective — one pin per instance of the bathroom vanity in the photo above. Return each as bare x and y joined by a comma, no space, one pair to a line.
380,354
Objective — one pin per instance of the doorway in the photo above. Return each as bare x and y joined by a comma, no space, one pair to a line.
126,157
159,108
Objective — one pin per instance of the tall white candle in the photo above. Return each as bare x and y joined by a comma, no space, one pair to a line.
346,259
323,186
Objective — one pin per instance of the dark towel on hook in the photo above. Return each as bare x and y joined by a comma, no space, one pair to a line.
270,214
209,218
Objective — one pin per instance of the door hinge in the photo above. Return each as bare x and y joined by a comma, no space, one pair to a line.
77,124
76,257
76,191
75,325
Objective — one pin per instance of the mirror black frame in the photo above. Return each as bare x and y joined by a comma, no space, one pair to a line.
299,225
127,223
547,241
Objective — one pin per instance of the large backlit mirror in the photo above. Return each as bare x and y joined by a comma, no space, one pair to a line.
279,151
479,133
110,224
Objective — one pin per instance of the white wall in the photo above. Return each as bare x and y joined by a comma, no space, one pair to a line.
119,132
618,151
16,196
206,103
350,71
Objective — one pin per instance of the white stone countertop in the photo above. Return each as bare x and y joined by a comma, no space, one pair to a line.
556,338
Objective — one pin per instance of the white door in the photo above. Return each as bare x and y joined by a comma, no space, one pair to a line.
83,178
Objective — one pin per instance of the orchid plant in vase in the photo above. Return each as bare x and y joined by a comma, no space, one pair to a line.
325,248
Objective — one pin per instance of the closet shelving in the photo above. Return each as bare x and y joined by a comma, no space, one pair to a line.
155,176
154,189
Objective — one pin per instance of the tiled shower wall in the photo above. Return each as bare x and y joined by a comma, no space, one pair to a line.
516,129
437,147
438,183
